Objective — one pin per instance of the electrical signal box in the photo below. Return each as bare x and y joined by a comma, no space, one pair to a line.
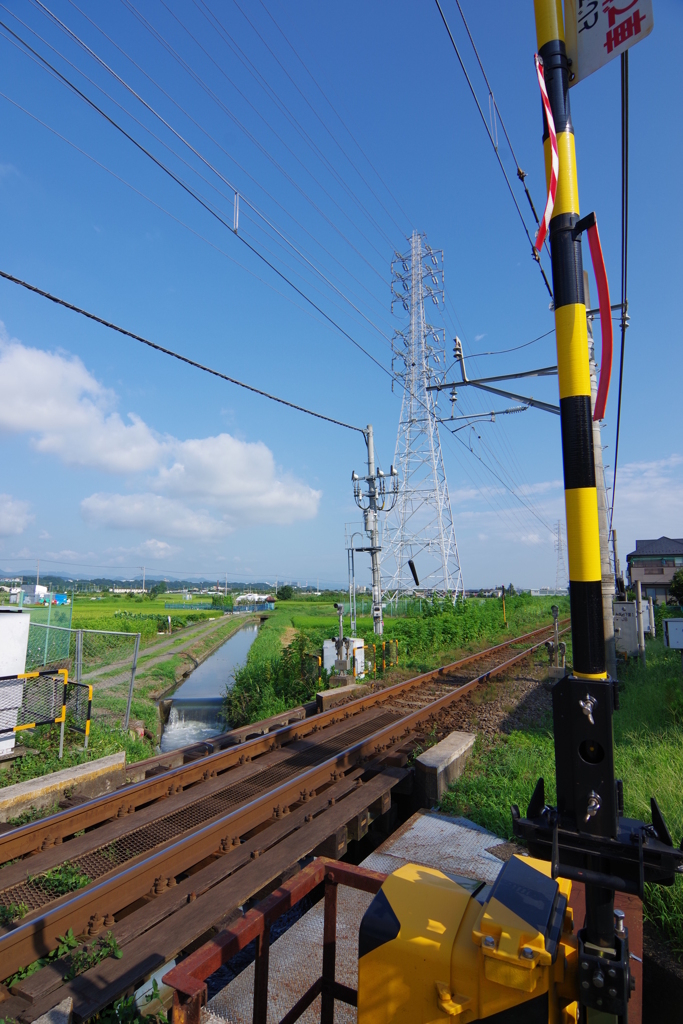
673,633
626,626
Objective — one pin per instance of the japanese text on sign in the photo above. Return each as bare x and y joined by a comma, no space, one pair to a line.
598,30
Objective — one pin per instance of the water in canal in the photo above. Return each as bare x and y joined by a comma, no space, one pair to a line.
197,702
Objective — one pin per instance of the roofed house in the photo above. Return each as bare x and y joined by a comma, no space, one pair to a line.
654,563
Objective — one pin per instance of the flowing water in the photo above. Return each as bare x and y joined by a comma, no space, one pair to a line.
197,702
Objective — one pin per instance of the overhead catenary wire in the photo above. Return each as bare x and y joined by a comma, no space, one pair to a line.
175,355
193,194
534,253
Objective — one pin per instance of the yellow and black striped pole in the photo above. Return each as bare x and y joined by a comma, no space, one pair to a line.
581,502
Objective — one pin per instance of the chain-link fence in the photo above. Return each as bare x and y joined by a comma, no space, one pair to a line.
104,659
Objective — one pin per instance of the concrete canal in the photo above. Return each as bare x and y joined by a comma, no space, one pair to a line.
196,706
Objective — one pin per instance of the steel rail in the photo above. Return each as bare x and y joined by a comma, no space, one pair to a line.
38,935
32,837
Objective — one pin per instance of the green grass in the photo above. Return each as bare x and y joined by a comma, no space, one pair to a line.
648,741
143,615
277,674
43,745
61,880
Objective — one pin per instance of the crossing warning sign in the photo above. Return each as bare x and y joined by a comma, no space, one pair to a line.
596,31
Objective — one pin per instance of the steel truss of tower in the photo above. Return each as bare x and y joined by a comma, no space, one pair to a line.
420,528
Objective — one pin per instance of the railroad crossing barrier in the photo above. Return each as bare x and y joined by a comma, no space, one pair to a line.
40,697
45,698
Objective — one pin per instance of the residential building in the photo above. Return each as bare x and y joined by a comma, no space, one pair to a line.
654,563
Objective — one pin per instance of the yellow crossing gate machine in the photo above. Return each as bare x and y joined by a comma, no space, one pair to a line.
438,948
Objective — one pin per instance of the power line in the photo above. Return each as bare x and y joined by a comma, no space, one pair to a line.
181,573
520,173
230,156
229,40
313,145
535,255
503,351
197,78
624,257
192,193
344,125
175,355
167,213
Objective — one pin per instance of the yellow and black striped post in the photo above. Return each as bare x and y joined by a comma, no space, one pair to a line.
581,503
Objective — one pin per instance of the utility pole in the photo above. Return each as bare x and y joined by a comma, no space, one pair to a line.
37,572
143,578
618,577
371,503
603,508
639,619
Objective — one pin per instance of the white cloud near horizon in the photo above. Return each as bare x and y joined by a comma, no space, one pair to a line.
649,501
15,515
198,488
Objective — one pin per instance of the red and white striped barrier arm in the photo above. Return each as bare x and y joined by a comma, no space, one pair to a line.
554,163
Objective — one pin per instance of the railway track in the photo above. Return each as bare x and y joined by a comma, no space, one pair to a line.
173,855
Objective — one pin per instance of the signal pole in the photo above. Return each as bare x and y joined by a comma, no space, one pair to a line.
581,500
590,797
371,503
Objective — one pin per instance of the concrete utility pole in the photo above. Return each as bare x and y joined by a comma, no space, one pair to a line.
608,588
143,578
639,617
371,503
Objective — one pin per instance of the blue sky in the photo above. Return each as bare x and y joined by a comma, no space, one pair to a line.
115,456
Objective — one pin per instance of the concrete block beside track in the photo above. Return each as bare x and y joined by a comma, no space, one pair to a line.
437,767
327,699
94,778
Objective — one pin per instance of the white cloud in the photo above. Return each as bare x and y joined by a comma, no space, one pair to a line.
478,337
200,488
238,478
156,549
649,500
14,516
54,398
149,512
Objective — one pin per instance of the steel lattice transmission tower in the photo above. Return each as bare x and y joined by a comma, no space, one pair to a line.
561,578
420,528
